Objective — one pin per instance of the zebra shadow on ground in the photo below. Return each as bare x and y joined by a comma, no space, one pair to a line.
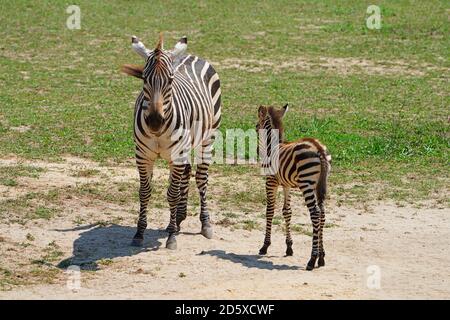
249,260
97,244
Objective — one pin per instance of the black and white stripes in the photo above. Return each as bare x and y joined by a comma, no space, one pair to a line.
304,164
178,110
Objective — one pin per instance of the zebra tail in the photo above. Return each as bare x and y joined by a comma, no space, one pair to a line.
325,166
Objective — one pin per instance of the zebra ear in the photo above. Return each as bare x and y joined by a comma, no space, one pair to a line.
284,109
262,112
139,47
133,70
180,47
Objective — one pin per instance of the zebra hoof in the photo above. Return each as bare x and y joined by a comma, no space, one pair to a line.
136,242
311,264
289,252
263,251
171,243
207,232
321,262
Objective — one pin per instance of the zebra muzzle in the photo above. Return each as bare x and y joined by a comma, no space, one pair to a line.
155,121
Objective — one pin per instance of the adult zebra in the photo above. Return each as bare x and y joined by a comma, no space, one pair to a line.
177,109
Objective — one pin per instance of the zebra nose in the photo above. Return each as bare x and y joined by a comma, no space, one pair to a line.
155,121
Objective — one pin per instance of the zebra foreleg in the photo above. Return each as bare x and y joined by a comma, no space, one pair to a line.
201,178
173,197
145,190
184,189
287,214
271,190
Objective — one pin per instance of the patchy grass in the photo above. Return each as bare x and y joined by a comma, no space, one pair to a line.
8,279
21,171
41,268
10,173
105,262
302,229
249,225
44,213
51,254
32,205
86,173
231,215
64,86
276,221
226,222
8,182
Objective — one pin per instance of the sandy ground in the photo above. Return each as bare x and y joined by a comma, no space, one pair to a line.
405,250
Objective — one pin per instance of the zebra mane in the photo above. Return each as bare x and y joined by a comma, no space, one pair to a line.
276,118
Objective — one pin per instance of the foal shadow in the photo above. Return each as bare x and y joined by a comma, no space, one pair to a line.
249,260
98,243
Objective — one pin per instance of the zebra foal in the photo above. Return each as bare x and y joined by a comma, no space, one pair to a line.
177,110
303,164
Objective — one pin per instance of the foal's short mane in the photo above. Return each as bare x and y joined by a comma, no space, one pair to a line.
277,117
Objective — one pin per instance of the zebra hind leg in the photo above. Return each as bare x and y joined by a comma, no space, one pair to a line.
314,212
321,261
184,189
287,214
201,178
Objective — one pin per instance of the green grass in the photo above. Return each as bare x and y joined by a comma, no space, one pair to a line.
64,85
105,262
86,173
8,182
300,229
33,205
44,213
52,252
8,279
10,173
249,225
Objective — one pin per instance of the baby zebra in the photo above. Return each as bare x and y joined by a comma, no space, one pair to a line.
303,164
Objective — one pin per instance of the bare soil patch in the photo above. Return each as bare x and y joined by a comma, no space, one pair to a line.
93,230
334,65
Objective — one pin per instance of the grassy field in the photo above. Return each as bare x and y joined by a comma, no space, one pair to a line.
377,98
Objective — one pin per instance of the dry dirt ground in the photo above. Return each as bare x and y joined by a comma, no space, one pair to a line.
78,212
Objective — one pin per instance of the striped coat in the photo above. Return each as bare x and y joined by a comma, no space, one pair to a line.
178,110
303,164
